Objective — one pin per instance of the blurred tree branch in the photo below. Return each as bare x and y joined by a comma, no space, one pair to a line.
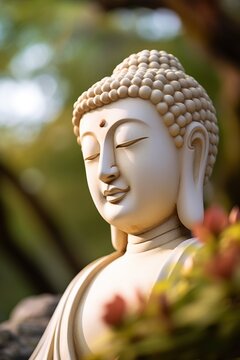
20,259
48,223
205,20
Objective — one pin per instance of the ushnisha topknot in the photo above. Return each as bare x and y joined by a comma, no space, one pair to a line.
160,78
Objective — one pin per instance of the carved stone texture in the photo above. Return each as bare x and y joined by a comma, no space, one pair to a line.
21,333
160,78
149,136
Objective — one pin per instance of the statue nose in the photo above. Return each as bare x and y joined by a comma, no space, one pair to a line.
109,174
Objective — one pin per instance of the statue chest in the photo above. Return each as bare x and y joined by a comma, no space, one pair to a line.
125,276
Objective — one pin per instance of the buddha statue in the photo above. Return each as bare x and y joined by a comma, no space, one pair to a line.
149,139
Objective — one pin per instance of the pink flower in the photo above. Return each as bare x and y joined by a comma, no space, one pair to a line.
215,220
234,215
201,232
223,265
115,311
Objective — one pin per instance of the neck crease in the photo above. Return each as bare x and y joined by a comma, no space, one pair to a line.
165,236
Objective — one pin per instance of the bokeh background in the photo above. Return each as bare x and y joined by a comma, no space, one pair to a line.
50,52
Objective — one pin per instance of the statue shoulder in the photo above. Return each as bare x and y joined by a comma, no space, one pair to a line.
61,324
179,258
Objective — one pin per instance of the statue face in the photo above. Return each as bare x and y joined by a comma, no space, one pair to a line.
132,164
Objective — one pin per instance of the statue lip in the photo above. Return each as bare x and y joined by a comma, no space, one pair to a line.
120,193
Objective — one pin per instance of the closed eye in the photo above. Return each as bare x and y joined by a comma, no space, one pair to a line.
130,142
91,157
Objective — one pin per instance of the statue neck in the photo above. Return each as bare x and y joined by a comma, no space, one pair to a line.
165,236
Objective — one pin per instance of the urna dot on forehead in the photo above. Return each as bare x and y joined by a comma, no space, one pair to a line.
158,77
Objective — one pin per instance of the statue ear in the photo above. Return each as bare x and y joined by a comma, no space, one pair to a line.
119,239
193,161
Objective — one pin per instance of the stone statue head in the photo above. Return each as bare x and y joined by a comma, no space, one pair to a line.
149,137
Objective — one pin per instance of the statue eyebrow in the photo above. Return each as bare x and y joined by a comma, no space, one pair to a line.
87,133
123,120
133,120
114,126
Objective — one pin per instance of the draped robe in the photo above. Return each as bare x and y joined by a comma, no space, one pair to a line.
57,342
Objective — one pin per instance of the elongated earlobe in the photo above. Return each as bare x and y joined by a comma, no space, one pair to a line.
119,239
193,158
